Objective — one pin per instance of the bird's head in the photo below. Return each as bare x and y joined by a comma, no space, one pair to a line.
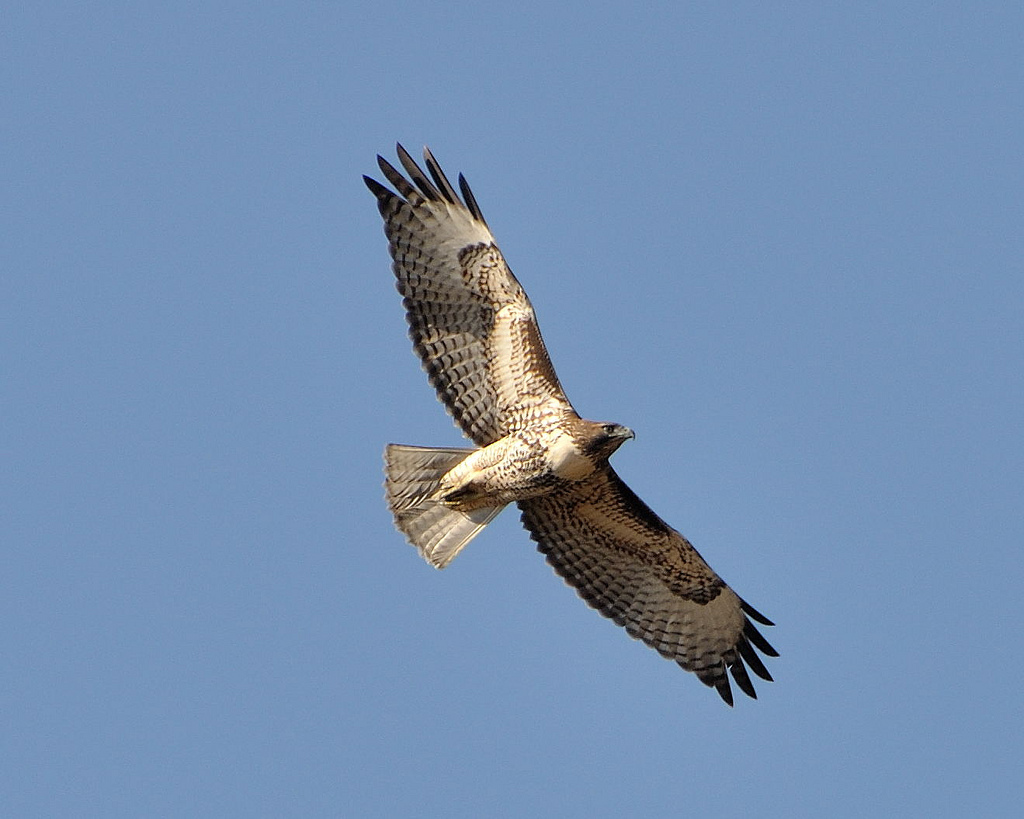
605,438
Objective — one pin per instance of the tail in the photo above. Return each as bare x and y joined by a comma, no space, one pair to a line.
412,474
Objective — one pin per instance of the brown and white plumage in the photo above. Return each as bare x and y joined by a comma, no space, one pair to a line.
470,321
474,329
634,568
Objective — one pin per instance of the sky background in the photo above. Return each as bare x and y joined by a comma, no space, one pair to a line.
783,242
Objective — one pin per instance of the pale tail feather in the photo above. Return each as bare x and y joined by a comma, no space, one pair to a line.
412,474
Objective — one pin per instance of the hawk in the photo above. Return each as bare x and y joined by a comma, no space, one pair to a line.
474,329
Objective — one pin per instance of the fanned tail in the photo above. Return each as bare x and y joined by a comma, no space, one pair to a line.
412,475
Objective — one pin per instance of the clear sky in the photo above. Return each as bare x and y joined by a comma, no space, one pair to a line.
782,242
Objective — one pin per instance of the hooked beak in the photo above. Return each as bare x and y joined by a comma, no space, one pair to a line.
621,432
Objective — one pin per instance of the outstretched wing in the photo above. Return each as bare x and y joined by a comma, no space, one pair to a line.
634,568
470,321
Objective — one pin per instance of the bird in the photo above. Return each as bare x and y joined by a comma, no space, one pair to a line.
476,334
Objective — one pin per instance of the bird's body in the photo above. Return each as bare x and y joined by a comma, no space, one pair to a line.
474,329
526,464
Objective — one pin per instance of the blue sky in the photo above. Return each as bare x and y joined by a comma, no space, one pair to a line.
783,242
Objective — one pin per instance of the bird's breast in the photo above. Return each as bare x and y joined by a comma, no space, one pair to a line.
566,461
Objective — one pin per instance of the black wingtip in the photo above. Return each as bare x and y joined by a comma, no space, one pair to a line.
751,633
439,178
419,185
748,654
725,691
375,187
470,200
752,612
420,179
739,673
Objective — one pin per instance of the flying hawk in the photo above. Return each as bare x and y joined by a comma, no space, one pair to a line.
474,329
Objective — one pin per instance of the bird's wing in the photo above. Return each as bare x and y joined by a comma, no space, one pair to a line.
634,568
470,321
